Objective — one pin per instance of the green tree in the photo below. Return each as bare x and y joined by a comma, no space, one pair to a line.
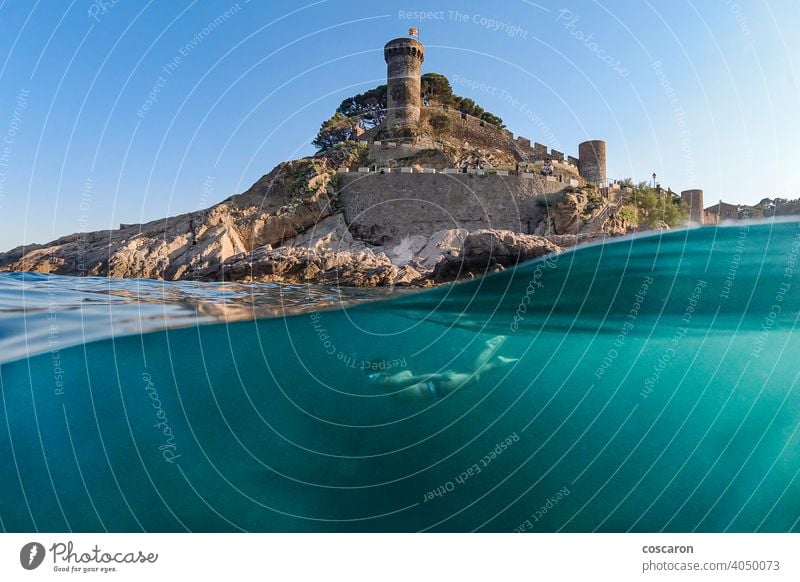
651,206
368,108
785,207
335,130
493,119
436,87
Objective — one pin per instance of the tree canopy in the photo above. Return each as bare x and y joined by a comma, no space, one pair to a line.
436,87
368,110
648,205
777,206
335,130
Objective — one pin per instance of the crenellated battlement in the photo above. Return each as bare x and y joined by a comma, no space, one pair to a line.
401,47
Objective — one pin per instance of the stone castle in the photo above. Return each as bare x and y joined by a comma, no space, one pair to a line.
497,181
404,58
394,149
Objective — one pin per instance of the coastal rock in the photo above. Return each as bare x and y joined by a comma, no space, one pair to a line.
566,215
288,201
440,244
571,240
296,265
480,252
615,226
486,251
408,275
407,249
425,251
330,234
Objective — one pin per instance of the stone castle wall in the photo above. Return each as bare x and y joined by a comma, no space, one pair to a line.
471,132
469,129
381,207
477,132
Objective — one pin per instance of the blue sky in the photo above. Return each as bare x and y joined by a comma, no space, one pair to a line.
125,111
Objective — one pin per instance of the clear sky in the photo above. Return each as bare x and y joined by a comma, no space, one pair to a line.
123,111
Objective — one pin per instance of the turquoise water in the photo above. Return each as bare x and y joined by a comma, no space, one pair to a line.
655,390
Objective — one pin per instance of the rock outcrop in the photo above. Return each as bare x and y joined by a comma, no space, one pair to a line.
565,216
478,253
297,265
288,201
427,251
487,251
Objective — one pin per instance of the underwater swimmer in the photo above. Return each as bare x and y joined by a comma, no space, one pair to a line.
410,387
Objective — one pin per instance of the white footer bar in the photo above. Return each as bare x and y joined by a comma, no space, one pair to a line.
399,557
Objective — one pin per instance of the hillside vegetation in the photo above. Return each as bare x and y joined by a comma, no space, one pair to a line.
367,110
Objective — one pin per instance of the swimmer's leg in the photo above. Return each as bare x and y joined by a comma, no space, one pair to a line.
498,362
492,346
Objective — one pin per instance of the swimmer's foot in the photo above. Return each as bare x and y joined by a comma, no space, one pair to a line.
496,342
505,360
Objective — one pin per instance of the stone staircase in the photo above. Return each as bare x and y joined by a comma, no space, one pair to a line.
597,223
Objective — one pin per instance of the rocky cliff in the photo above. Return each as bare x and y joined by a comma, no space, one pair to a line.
289,227
293,197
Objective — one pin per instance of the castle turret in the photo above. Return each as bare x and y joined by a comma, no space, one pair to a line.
694,200
592,161
404,58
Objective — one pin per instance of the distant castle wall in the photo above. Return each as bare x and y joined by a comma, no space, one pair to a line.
380,207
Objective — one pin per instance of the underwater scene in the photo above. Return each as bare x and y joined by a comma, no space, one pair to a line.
647,384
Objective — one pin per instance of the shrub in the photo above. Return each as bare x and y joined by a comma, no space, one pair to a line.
440,122
628,214
650,206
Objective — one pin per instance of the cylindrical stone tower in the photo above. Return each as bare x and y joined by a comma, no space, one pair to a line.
404,58
592,161
694,200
